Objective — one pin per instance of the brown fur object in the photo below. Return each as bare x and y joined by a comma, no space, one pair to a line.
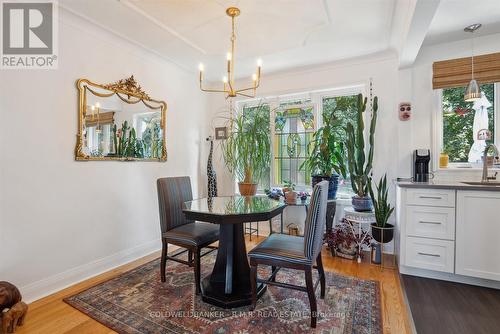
9,295
14,317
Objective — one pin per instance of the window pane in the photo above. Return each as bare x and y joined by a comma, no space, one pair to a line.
344,109
458,120
294,125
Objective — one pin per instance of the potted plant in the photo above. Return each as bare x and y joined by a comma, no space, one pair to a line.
360,165
326,155
247,150
342,242
289,191
382,231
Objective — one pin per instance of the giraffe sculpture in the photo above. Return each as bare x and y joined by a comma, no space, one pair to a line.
212,176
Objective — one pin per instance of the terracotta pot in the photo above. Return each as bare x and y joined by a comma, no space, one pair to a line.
291,197
247,189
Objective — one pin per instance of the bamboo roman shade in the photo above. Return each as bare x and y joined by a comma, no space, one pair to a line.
457,72
103,119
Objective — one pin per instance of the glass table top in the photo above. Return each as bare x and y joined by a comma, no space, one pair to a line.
233,205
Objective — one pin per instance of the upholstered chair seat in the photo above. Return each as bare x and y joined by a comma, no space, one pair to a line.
283,247
196,234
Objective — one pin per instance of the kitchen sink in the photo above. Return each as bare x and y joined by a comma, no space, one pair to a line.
491,184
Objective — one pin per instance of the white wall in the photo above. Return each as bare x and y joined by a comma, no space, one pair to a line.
61,220
383,68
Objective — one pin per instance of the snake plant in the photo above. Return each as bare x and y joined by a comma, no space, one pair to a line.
383,209
359,165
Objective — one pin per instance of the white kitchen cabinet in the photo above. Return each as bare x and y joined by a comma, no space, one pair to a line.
478,234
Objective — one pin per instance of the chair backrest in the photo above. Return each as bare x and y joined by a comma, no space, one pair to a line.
172,193
315,221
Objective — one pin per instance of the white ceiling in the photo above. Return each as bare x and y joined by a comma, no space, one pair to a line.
284,33
453,16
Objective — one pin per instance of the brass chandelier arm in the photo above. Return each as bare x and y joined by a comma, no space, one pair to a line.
250,88
246,95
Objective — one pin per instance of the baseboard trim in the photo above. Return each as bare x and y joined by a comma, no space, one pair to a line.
52,284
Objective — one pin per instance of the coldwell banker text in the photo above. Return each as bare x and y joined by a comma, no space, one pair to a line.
29,34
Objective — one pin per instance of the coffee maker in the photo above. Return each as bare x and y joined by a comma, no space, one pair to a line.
421,159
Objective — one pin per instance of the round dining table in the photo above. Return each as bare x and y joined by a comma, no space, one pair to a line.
228,285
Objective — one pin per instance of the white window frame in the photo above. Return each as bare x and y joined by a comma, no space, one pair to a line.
437,144
316,97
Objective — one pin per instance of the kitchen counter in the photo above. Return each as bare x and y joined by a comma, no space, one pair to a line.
455,185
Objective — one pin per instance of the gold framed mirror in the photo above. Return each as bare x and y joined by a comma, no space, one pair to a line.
119,121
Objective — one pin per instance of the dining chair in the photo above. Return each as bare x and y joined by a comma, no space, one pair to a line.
179,231
293,252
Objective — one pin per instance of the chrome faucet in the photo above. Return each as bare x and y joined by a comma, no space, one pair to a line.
485,177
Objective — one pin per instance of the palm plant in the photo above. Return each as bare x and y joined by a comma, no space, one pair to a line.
383,209
247,150
359,165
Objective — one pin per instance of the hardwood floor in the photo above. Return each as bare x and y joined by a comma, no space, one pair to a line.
52,316
452,308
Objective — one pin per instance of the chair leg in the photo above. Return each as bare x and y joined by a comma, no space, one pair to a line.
273,268
163,260
197,270
321,272
312,296
190,258
253,283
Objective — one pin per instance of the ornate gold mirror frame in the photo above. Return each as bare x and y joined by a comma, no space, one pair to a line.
128,91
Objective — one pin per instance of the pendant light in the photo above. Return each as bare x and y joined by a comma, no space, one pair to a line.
473,92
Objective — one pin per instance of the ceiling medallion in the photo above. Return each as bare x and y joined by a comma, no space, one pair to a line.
229,88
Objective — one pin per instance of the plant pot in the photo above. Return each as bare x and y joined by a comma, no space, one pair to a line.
247,189
361,204
291,197
385,234
376,253
333,183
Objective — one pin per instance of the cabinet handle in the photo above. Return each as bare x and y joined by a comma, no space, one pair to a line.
427,222
428,254
431,197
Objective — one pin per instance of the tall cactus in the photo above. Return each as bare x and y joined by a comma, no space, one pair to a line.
359,165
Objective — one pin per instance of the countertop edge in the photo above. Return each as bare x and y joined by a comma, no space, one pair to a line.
448,186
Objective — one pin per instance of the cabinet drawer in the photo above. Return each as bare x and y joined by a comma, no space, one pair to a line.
431,197
430,222
430,254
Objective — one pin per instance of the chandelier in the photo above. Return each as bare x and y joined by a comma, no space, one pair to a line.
229,88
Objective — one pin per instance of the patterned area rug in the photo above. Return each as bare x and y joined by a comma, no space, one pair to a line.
137,302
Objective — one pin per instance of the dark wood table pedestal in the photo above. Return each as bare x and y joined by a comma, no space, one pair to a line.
228,286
